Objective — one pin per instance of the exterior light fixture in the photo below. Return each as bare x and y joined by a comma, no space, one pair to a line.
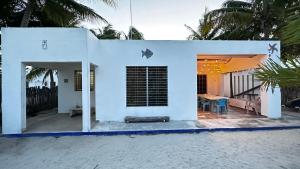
44,44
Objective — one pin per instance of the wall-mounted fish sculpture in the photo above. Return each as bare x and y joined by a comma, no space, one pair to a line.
272,48
147,53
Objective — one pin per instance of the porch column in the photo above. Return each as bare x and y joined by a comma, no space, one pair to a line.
86,108
23,96
271,100
271,103
13,96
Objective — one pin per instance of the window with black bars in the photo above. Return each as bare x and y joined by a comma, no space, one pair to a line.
146,86
78,80
201,84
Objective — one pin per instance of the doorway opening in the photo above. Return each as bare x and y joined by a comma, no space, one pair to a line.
226,86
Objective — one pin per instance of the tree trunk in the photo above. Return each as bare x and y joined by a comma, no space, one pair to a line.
52,83
27,13
264,24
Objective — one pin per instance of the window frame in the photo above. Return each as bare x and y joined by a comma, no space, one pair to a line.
150,84
78,87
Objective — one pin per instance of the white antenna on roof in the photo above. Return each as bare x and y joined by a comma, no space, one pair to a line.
130,20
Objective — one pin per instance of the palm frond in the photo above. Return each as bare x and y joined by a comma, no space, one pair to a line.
107,32
194,34
236,4
35,72
291,32
135,34
61,11
48,73
111,3
284,74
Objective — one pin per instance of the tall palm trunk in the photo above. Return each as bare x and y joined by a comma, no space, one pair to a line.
264,24
52,83
27,13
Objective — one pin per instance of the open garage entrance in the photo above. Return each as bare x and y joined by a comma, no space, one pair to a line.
54,97
227,88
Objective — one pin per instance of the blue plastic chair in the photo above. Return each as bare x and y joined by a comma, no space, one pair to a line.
221,105
204,103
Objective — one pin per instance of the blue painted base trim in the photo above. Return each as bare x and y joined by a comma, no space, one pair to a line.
147,132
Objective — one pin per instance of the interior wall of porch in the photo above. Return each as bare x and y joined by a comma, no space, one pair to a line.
68,98
218,83
214,83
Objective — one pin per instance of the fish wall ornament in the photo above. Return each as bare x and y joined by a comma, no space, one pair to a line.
272,48
147,53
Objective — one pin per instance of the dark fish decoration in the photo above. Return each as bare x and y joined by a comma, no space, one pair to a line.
147,53
272,48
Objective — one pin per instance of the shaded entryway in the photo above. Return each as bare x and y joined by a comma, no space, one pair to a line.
68,112
227,87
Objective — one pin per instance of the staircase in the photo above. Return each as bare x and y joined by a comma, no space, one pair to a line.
250,94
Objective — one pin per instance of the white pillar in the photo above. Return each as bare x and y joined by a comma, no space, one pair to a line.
271,103
86,108
271,99
23,96
13,96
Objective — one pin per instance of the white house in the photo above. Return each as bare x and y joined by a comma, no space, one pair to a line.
131,78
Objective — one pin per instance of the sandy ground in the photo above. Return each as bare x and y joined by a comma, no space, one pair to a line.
263,149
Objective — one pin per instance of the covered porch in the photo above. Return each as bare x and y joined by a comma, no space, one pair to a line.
75,109
227,87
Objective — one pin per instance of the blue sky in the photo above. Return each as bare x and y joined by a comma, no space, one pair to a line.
156,19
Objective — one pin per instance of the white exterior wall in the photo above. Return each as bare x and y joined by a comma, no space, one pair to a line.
111,79
111,58
21,45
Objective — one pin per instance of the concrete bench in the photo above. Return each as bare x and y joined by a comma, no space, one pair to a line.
135,119
78,111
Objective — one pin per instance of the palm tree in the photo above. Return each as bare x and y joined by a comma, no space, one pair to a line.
107,32
286,74
61,11
205,30
37,72
260,18
134,34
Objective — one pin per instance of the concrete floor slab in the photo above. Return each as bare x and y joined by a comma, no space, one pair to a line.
119,126
247,123
232,113
288,119
50,121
